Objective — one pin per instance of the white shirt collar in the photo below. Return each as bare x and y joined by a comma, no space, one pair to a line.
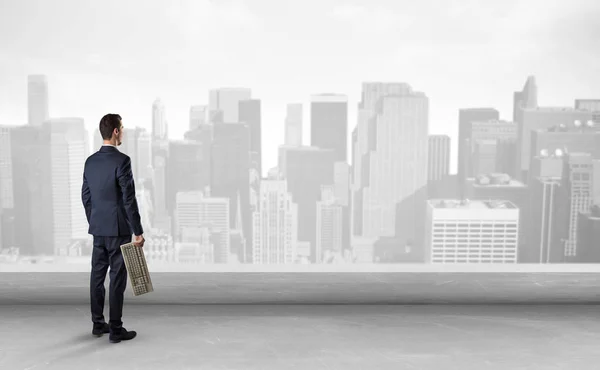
114,146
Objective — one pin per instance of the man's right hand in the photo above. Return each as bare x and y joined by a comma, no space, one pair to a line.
138,240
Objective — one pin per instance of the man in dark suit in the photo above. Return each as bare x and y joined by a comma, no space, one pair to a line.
108,195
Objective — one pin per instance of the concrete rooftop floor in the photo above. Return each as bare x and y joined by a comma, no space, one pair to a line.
306,337
310,321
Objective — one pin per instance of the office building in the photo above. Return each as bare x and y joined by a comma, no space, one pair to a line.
137,144
160,128
37,99
143,195
330,226
341,182
187,169
479,150
6,167
439,158
580,137
306,169
580,185
466,117
226,101
7,188
203,136
33,216
588,235
484,157
472,231
394,199
230,170
159,248
527,98
196,210
591,105
275,224
67,158
160,158
293,125
249,113
547,225
533,119
364,141
363,249
329,123
500,186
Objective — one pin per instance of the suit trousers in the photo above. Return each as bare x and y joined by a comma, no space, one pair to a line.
107,252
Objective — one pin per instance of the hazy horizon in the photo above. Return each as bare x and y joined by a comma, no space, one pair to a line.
459,53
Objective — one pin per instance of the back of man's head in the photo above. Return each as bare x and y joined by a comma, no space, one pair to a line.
108,124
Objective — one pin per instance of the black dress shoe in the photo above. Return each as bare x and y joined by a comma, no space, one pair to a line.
121,335
99,330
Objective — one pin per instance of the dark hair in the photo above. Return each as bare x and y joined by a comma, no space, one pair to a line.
108,124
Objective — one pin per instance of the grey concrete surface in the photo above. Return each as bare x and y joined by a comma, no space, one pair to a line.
317,288
306,337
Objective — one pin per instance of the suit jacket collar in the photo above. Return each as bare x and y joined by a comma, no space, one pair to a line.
108,149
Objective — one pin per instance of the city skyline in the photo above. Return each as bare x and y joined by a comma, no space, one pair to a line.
386,203
352,174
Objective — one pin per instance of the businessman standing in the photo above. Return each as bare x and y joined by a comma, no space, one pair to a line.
108,195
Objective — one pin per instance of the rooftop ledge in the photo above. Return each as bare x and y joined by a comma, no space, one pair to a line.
321,284
85,264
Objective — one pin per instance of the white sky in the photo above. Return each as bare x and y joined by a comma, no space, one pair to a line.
118,56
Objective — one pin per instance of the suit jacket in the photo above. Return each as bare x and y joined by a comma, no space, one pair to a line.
108,194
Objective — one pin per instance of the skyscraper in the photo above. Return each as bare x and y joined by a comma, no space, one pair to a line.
37,99
306,169
275,224
364,144
67,154
548,223
581,138
543,118
6,167
394,200
484,157
466,117
187,169
226,100
159,121
591,105
293,125
484,135
341,186
34,218
330,226
8,187
588,234
525,99
341,179
578,185
249,113
472,231
196,210
439,157
329,123
160,158
137,144
230,169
